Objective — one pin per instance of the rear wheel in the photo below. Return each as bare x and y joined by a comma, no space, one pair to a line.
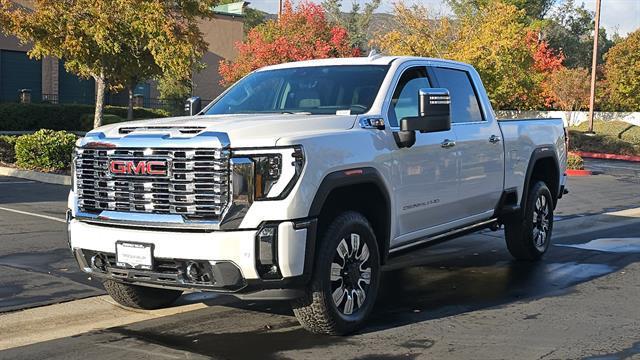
528,236
140,297
344,285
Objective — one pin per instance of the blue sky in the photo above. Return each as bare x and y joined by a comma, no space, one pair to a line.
620,15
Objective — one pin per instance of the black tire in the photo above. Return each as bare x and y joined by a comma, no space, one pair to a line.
317,311
140,297
528,235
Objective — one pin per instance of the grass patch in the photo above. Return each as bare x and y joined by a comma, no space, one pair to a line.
612,137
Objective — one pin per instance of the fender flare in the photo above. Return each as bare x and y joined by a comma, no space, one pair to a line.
539,153
349,177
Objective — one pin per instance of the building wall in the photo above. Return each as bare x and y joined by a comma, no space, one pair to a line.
221,33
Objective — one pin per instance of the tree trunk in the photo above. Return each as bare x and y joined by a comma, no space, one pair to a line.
130,109
101,85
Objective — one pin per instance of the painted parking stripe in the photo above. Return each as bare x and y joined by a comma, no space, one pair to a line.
32,214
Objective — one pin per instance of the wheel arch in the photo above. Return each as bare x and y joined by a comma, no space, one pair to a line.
357,189
544,166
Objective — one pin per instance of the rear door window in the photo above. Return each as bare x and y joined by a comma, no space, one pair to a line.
465,106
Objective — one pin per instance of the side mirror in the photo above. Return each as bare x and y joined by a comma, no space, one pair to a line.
434,108
193,106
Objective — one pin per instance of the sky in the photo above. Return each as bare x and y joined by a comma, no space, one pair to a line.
622,16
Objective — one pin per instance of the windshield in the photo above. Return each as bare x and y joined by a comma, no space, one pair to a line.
312,90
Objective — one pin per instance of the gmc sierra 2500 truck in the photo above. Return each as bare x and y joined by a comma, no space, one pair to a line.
301,180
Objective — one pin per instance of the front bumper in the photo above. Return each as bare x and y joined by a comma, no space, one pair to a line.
231,259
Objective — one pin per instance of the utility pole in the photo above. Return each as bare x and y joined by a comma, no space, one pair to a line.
279,9
594,64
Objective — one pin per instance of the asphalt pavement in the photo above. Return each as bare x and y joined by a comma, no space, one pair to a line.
461,299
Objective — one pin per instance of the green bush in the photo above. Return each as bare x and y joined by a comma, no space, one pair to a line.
7,149
27,117
45,150
575,162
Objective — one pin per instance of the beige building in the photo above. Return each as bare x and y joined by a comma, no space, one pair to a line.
48,81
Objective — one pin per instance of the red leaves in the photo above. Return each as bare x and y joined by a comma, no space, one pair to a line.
302,33
546,60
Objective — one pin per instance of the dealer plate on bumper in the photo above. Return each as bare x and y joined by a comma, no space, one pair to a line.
134,255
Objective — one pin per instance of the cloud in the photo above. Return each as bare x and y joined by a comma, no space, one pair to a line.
622,16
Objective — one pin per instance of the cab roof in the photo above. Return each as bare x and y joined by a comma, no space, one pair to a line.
370,60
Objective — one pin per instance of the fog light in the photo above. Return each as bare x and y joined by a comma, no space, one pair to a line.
193,271
267,252
99,262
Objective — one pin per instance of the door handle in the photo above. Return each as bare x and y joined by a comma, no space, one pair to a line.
494,139
448,143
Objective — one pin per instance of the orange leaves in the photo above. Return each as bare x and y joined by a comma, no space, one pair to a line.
302,33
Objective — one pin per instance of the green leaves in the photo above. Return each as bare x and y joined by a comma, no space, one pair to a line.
45,150
117,42
622,69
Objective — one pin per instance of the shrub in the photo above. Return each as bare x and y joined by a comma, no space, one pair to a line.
45,150
575,162
7,149
26,117
612,137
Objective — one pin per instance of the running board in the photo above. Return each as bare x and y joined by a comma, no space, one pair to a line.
437,239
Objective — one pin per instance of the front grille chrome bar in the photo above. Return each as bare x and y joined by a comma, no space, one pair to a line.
196,185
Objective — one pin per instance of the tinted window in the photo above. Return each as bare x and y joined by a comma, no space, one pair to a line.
404,102
464,102
315,90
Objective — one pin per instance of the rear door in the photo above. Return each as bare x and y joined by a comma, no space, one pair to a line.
426,175
479,145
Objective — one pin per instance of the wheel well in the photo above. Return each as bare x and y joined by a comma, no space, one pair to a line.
546,169
365,198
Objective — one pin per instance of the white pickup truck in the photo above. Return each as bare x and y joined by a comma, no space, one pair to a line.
301,180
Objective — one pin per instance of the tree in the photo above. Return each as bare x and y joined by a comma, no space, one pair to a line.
117,42
535,9
622,71
356,21
302,33
418,33
570,88
494,38
569,29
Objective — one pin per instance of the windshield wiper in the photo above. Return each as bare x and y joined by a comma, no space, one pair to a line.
296,112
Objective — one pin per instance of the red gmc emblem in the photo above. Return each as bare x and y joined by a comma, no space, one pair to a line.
142,167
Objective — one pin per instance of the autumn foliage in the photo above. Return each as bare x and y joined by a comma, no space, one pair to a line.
301,33
495,38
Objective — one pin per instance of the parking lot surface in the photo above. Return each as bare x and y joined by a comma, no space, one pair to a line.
461,299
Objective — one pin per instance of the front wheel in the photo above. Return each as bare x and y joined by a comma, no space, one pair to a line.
528,236
344,285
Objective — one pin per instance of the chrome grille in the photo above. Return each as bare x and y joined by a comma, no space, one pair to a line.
196,185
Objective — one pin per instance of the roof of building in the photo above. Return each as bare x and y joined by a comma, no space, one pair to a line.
235,8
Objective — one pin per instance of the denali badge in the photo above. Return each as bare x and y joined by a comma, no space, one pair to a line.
141,167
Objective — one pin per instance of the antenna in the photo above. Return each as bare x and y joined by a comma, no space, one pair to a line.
374,54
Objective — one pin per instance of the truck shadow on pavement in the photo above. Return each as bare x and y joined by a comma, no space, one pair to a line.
452,282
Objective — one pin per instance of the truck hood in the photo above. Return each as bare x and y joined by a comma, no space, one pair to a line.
246,130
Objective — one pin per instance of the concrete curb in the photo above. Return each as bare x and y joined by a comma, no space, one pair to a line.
592,155
36,176
572,172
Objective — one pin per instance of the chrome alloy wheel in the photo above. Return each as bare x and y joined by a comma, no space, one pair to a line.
541,222
350,275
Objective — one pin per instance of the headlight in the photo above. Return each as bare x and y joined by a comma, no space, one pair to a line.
275,171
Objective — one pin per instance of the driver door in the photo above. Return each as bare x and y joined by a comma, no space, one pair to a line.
426,174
